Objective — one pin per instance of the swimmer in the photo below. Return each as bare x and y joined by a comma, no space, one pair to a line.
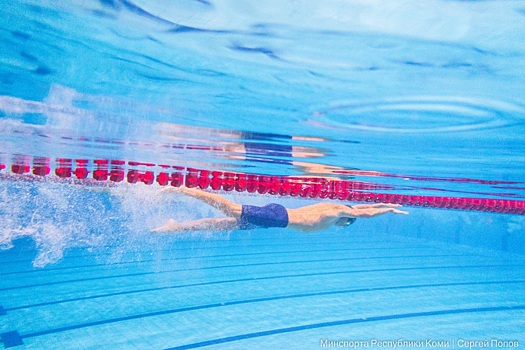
308,219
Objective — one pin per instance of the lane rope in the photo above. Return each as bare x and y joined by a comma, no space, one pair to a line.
106,172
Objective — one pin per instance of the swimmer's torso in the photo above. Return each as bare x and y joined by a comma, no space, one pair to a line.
314,218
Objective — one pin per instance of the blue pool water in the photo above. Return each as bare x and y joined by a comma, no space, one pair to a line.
415,98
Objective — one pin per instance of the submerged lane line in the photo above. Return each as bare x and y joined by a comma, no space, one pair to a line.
205,257
251,279
251,335
313,274
345,322
226,267
345,291
295,243
192,249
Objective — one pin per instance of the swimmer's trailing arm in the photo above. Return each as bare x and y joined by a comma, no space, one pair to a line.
204,225
212,199
192,192
170,189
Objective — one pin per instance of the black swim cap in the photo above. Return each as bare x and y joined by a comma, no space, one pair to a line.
350,221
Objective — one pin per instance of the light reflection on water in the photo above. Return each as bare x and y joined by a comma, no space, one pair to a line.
345,85
430,115
56,128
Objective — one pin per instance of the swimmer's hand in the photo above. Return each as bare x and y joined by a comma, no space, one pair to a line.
376,205
168,227
171,189
369,212
395,211
194,192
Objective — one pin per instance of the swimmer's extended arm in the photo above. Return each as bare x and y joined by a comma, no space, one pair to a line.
369,211
205,225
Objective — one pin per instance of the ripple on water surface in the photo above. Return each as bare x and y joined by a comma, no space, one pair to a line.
420,115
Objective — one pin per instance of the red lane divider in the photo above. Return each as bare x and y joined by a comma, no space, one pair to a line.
306,187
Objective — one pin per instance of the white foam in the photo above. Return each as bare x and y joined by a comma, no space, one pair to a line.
112,221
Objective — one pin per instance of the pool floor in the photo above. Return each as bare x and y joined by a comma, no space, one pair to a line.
264,289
